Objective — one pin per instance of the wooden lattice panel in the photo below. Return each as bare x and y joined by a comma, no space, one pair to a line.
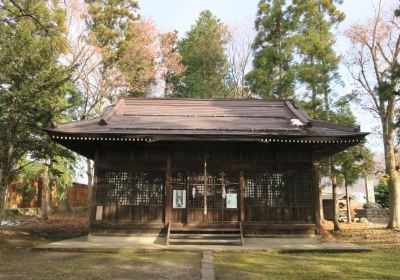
279,189
130,188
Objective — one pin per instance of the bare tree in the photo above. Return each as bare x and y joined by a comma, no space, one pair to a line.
239,57
373,62
95,84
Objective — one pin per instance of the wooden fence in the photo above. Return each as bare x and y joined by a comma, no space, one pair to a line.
22,197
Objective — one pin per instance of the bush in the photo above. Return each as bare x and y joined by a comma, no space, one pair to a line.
382,194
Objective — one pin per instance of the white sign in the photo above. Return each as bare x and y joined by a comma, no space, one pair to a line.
99,213
231,200
179,199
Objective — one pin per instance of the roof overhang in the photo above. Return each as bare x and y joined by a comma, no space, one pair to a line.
85,144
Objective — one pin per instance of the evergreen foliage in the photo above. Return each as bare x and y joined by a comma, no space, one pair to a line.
35,89
382,194
273,75
204,58
317,63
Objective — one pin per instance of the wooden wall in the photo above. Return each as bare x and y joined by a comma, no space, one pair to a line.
240,158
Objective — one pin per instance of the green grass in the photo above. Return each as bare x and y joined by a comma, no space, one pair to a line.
382,263
21,264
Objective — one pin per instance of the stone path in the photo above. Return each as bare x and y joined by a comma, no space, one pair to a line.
207,267
112,244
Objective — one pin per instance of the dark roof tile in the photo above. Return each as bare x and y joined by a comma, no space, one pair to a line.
197,117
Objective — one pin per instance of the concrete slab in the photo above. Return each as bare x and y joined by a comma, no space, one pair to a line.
106,244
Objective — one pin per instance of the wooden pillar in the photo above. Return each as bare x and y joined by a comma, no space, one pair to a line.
93,202
168,189
316,180
241,193
205,185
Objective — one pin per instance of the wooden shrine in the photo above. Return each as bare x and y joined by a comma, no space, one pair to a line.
205,163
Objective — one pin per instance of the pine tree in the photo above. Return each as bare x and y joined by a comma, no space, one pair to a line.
318,65
204,59
272,76
109,22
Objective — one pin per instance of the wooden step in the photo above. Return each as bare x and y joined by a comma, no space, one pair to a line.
204,230
203,236
206,241
206,225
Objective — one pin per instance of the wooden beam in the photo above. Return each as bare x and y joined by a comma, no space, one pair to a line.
132,165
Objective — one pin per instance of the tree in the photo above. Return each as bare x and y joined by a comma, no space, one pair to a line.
204,58
349,165
272,75
239,54
345,168
137,63
109,24
34,87
170,66
318,62
382,194
373,62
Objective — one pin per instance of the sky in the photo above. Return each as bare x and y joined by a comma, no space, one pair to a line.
181,14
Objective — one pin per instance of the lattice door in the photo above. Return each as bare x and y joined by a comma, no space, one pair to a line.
219,185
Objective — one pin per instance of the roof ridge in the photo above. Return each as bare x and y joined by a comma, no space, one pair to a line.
297,112
208,99
115,109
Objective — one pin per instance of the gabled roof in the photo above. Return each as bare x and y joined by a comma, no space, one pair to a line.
152,117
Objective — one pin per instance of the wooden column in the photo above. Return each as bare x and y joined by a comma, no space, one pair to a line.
168,189
316,180
205,185
241,195
92,206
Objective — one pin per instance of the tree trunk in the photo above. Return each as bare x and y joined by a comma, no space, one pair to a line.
394,181
347,203
3,187
336,225
89,173
45,193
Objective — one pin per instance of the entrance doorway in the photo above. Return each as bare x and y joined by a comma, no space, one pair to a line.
205,198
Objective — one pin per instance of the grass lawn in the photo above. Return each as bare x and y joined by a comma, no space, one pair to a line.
24,264
382,263
17,261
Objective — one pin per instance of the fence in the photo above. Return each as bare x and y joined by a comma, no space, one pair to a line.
31,197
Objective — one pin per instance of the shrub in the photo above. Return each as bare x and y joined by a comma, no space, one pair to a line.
382,194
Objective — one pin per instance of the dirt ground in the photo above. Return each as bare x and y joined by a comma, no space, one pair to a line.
364,234
17,261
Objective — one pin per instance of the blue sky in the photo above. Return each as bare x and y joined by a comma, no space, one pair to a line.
181,14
